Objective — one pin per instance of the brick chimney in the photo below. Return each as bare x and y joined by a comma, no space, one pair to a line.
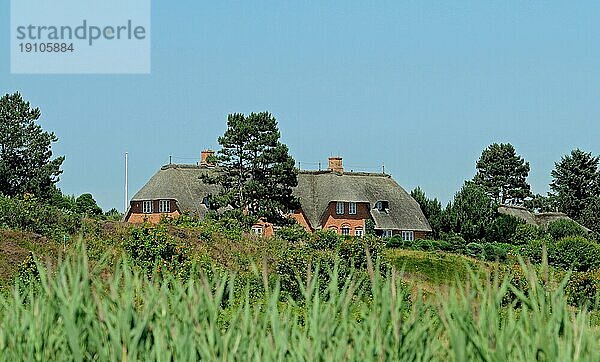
204,155
335,165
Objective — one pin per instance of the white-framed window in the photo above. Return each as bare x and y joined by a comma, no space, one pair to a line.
345,230
408,235
164,206
147,207
387,233
339,208
352,208
258,230
359,231
379,205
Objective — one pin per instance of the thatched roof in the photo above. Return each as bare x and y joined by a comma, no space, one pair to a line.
316,189
539,219
182,183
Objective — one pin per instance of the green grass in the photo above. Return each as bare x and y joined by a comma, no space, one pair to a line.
75,313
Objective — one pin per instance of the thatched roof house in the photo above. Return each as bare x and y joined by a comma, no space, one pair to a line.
538,219
332,199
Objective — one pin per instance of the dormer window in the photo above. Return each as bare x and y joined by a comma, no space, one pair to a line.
164,206
352,208
339,208
382,206
147,207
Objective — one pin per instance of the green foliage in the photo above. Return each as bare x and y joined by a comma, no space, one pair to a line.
469,214
257,173
575,182
524,233
294,233
113,214
562,228
31,215
155,251
432,209
503,174
370,227
503,229
324,240
576,253
26,166
590,217
85,204
533,249
582,288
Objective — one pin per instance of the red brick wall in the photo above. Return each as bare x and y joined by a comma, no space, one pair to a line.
137,216
331,220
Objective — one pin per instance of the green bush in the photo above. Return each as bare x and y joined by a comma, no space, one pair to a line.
155,251
32,215
533,250
582,288
496,251
324,240
293,233
576,253
475,250
502,229
525,233
562,228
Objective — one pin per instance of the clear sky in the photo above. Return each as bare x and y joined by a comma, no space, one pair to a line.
421,87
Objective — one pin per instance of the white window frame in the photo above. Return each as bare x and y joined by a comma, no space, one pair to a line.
164,206
147,207
339,208
258,230
387,233
379,205
408,235
359,231
352,208
345,230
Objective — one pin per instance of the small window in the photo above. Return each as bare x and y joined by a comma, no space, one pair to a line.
206,201
147,207
345,230
339,208
258,230
164,206
333,228
359,231
408,235
379,205
387,233
352,208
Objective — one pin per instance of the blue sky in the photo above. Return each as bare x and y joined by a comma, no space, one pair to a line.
421,87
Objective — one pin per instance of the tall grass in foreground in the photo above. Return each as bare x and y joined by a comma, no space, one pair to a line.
77,315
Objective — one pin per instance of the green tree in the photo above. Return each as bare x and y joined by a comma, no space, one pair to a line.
540,203
257,173
590,217
25,150
85,204
503,174
432,209
575,182
470,213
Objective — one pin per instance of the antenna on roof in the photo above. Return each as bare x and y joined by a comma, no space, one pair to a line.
319,166
383,169
170,159
126,179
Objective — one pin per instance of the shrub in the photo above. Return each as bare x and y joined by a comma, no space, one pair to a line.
562,228
29,214
457,243
474,250
575,252
293,233
324,240
154,250
582,288
496,251
532,251
502,229
525,233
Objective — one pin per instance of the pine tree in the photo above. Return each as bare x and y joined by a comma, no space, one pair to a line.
503,174
575,183
257,173
25,151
